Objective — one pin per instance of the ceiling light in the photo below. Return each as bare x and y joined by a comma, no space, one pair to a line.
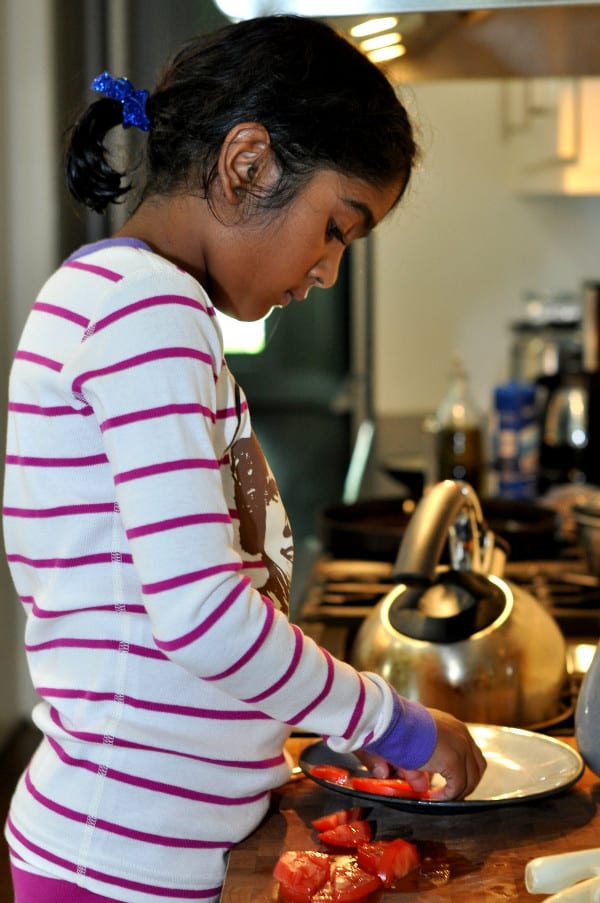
387,53
381,40
373,26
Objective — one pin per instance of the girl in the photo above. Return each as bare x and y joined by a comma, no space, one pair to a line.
143,527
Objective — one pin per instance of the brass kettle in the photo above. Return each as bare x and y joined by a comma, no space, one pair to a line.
461,638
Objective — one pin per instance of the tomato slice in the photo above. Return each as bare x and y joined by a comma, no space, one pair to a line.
332,773
340,817
350,883
388,787
301,874
388,859
347,835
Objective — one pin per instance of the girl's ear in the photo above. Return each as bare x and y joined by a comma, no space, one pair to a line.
245,161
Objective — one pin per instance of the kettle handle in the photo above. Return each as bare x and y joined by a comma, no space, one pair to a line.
450,509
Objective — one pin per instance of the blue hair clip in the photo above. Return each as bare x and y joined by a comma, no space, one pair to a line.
134,102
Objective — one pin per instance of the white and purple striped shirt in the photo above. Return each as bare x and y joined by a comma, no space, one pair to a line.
151,551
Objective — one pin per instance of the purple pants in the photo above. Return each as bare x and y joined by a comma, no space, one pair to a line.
35,889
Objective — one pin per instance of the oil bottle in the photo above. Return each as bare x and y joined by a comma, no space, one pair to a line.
458,432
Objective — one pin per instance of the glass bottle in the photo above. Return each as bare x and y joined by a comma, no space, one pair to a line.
458,433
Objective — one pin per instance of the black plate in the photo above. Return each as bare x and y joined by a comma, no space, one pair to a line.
522,766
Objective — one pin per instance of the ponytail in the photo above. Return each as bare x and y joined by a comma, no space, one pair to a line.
91,179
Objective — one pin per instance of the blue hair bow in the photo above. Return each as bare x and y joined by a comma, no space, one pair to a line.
134,102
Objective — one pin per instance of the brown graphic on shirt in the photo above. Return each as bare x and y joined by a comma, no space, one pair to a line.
264,528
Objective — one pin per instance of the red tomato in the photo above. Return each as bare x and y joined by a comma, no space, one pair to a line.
388,859
348,835
341,817
388,787
301,874
332,773
351,883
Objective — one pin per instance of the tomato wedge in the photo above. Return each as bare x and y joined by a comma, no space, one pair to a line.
301,874
332,773
351,883
388,787
340,817
347,835
388,859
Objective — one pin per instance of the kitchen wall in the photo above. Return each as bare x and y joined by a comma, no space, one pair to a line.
452,264
28,179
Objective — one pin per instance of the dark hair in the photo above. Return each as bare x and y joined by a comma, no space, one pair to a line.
325,105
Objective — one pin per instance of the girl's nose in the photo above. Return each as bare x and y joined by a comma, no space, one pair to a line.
324,273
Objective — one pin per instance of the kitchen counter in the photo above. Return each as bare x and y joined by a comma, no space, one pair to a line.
479,856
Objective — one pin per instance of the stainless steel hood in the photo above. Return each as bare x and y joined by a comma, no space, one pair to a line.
462,39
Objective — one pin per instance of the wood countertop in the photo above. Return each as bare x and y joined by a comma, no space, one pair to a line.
478,856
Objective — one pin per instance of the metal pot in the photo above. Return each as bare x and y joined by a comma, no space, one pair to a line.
460,638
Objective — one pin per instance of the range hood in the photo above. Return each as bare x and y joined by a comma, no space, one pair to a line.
462,39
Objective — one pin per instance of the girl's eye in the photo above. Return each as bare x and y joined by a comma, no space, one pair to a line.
334,231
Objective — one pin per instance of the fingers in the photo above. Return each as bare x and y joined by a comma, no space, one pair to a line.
377,766
456,757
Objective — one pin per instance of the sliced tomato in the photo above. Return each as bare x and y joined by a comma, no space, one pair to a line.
332,773
301,874
347,835
340,817
388,787
388,859
350,883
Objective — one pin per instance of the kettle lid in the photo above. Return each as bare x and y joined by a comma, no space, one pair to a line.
453,608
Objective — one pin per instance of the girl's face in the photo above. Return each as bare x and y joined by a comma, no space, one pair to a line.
273,259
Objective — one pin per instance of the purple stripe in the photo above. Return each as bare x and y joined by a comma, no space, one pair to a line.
256,645
163,411
166,467
39,359
52,411
97,558
61,510
79,643
174,522
324,692
87,461
146,303
109,879
299,644
224,413
61,312
148,705
158,354
136,780
121,830
212,619
184,580
103,243
89,737
95,270
358,710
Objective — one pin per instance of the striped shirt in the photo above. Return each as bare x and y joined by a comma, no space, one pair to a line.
151,552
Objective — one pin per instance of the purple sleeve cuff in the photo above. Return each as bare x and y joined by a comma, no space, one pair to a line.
410,737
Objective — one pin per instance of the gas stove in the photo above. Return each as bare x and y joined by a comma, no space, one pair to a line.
341,593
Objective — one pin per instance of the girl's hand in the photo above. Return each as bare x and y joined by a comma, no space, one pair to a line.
456,757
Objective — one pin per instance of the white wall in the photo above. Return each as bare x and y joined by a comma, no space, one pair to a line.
452,264
28,162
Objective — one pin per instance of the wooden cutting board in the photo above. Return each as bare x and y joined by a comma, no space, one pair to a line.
476,857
